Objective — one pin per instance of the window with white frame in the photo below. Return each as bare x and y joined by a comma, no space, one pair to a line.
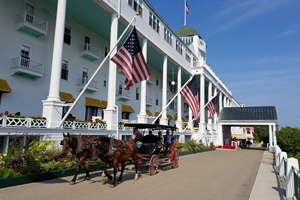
154,22
29,12
85,77
67,35
125,115
25,58
171,104
136,5
168,36
87,43
188,55
185,108
90,111
179,47
137,94
120,90
64,70
104,81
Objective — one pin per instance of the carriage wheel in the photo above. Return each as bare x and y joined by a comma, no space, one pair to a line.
153,165
176,159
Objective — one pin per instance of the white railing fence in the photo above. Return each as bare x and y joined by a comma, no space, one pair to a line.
288,170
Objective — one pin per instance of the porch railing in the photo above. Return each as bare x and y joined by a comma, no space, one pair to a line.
33,20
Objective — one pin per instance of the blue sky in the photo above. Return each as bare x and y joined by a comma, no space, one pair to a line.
252,45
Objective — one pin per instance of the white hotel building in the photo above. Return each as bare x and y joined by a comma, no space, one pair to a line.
50,50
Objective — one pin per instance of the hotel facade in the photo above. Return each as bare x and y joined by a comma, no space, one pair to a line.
55,63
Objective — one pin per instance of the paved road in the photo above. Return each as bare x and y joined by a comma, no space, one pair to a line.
213,175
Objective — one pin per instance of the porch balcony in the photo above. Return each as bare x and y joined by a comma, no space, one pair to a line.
123,94
149,101
93,87
27,67
32,24
198,64
90,52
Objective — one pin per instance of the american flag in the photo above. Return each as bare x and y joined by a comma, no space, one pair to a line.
187,8
190,96
213,106
131,61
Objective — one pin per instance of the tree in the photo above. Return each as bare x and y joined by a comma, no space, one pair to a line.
261,134
288,139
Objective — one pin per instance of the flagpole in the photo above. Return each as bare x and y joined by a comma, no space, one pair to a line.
184,20
173,99
200,111
97,70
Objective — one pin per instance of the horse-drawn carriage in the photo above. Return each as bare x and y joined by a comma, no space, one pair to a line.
154,153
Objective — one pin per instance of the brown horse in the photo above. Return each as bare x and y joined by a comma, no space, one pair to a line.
81,147
118,153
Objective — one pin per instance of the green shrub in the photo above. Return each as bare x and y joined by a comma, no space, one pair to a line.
7,172
192,146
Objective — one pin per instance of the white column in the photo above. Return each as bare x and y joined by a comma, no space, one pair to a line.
179,116
209,121
163,119
142,117
215,115
274,134
52,107
224,101
202,125
220,101
270,138
110,114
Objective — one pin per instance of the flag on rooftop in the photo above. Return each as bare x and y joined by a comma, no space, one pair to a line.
213,106
190,95
131,60
187,7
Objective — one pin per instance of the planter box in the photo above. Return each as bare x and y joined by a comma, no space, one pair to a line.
19,180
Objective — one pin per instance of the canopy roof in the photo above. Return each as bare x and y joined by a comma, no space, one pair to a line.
151,126
259,113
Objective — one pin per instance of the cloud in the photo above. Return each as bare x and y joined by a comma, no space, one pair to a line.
286,33
235,12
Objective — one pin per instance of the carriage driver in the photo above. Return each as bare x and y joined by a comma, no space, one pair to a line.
168,140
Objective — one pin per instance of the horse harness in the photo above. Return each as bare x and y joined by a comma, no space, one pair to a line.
81,147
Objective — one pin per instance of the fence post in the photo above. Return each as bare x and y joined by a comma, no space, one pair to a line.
283,156
277,156
290,190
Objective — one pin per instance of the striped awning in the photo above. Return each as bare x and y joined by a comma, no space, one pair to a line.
169,117
95,102
175,118
149,113
104,103
242,136
66,97
127,108
4,87
156,114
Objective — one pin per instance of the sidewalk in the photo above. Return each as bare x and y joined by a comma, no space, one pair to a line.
267,183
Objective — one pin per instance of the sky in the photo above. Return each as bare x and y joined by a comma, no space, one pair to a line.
253,46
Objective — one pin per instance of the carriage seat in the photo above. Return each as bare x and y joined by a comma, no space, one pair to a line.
150,144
